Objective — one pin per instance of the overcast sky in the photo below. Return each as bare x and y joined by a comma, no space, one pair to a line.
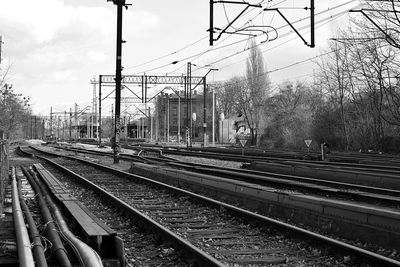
55,47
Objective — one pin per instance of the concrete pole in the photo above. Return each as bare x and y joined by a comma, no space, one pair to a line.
179,117
167,118
70,123
51,121
213,117
142,125
76,121
138,128
151,125
88,125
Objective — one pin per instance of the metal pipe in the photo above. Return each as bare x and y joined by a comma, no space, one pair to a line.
37,247
51,230
86,255
25,256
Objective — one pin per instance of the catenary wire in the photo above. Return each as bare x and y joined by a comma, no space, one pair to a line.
242,40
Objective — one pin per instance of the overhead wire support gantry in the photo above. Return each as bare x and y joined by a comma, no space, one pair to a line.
388,38
244,31
212,28
312,23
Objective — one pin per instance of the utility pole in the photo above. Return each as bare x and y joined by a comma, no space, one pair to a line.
312,22
58,128
137,129
179,116
204,106
76,121
204,112
43,130
94,109
187,112
151,125
100,130
112,115
88,125
51,122
70,123
157,125
36,135
118,78
189,71
64,124
213,117
167,118
142,125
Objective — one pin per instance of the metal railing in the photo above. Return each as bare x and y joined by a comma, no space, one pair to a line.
4,170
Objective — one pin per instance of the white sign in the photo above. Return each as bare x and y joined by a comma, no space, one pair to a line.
243,142
308,142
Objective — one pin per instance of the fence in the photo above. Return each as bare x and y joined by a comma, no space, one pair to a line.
3,171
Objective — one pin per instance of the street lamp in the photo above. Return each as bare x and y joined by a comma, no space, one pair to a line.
204,104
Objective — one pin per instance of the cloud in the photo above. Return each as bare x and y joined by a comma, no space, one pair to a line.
58,46
44,21
66,75
96,56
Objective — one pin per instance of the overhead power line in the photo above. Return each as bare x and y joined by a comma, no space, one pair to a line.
290,33
212,49
284,35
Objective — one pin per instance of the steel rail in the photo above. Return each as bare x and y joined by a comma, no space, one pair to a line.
370,257
263,176
191,252
390,195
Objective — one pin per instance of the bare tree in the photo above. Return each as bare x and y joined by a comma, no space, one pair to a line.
252,99
383,20
291,113
227,95
334,79
14,111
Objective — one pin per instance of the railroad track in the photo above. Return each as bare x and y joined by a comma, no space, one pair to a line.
336,190
343,205
235,153
387,169
209,229
349,219
321,187
141,247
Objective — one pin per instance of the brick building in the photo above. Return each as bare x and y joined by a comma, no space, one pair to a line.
174,116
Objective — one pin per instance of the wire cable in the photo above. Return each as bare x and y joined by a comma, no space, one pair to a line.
285,35
191,58
215,47
327,20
